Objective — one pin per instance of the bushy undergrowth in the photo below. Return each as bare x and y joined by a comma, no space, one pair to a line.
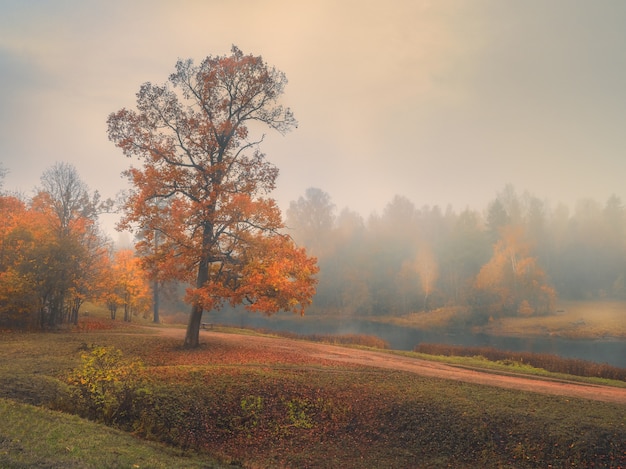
107,386
548,362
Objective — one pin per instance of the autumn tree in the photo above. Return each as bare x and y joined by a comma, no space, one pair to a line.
21,231
75,248
465,252
44,277
110,293
512,282
130,284
428,269
345,274
192,136
91,265
311,218
390,244
497,217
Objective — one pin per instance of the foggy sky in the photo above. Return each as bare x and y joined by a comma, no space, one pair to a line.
443,102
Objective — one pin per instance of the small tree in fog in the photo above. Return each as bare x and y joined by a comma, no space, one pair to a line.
512,282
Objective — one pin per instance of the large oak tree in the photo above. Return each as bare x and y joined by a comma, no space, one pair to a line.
203,185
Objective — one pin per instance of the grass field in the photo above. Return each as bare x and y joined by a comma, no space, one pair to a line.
214,407
34,437
572,319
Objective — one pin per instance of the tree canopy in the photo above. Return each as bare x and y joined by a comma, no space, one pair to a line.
51,251
203,186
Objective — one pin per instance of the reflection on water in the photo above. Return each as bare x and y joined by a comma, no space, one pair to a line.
612,352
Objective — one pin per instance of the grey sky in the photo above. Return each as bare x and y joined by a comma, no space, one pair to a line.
442,101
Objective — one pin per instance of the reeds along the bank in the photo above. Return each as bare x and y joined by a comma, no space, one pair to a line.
548,362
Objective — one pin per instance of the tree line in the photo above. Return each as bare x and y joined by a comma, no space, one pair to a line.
200,209
515,257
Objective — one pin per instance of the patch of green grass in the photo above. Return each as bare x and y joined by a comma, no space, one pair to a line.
32,437
482,363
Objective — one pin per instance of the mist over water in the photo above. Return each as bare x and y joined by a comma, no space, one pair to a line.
516,259
612,352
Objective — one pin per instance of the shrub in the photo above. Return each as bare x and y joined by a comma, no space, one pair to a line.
105,386
251,407
298,412
546,361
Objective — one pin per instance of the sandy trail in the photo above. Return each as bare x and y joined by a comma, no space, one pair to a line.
298,350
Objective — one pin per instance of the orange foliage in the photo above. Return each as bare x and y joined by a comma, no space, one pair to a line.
516,284
50,260
22,236
279,276
130,285
198,199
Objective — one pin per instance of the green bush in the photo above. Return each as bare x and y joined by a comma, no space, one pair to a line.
106,386
298,412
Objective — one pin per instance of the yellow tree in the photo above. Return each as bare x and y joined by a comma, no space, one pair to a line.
109,291
131,283
512,281
192,138
428,269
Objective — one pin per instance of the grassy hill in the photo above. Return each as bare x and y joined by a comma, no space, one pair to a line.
218,405
35,437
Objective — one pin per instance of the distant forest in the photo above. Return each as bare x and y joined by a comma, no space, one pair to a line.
516,257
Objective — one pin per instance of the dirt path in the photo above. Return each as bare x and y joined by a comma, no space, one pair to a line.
298,351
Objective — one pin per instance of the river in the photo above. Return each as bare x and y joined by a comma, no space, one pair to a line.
612,352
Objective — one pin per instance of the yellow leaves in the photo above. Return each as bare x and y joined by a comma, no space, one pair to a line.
426,266
101,383
513,277
525,309
125,283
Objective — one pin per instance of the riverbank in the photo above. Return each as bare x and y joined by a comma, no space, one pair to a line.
593,331
591,320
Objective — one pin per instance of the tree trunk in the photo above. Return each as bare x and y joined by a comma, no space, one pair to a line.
155,302
192,337
155,285
76,304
